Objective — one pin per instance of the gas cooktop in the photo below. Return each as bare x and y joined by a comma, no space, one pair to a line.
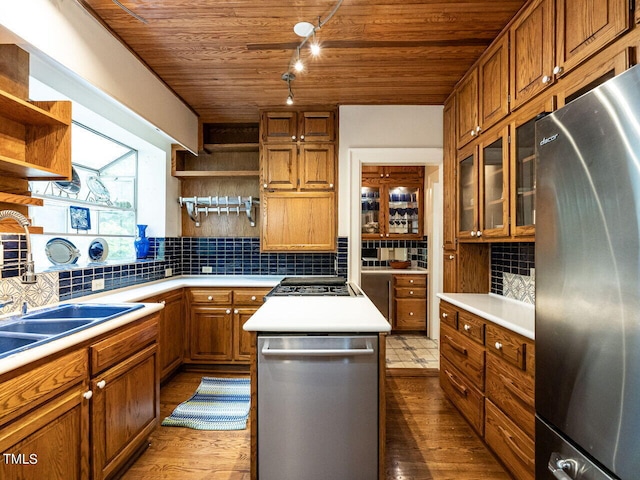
312,286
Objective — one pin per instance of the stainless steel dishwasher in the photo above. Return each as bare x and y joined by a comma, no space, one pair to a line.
317,407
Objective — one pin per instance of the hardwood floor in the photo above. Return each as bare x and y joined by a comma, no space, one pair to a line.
426,439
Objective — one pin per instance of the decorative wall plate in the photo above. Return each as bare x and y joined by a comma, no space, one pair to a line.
80,218
98,189
61,251
72,186
98,250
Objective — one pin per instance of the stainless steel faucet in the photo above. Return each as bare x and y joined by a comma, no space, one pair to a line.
29,275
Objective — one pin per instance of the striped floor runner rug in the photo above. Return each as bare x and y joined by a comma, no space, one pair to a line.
218,404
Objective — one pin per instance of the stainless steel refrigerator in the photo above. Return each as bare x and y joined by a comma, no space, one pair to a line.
588,285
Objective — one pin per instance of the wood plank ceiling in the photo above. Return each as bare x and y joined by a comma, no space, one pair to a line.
225,58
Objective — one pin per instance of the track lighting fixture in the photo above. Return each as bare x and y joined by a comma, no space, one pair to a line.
307,31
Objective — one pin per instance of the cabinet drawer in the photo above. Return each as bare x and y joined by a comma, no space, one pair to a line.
411,313
448,315
408,292
471,326
512,391
465,355
507,345
250,297
218,296
24,392
463,395
110,351
410,280
512,445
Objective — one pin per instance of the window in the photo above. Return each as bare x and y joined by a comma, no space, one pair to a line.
101,196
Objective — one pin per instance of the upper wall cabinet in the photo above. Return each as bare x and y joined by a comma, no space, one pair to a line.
288,127
583,28
532,46
482,98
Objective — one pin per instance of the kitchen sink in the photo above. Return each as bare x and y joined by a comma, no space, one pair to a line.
96,312
44,327
8,344
34,329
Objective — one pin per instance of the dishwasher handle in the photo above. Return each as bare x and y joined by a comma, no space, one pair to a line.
316,352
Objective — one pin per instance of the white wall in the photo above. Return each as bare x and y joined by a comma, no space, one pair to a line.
65,33
383,126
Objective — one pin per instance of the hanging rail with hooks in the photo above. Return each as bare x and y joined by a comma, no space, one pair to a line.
219,204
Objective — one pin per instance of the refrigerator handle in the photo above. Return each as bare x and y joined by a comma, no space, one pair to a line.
559,466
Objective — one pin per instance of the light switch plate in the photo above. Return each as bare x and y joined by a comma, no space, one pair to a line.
168,272
207,269
97,284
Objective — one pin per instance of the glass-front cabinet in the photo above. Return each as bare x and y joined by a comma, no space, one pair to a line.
392,209
483,188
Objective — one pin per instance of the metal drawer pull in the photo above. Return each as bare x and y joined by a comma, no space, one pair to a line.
209,297
87,395
456,346
516,392
410,292
411,314
317,352
253,298
528,461
101,384
458,386
467,327
444,315
498,346
228,311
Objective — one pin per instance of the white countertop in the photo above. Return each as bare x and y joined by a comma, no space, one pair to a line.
318,315
517,316
134,293
411,270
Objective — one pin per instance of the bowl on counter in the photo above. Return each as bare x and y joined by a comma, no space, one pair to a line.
399,263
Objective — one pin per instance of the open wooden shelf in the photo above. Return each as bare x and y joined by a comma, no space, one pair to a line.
32,113
216,173
236,147
20,199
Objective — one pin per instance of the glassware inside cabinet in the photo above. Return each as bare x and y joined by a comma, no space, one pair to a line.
525,174
370,210
467,189
403,211
494,197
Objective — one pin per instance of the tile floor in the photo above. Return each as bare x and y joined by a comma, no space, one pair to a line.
411,351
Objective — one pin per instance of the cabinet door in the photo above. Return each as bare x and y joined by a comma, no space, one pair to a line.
125,410
298,221
468,192
51,442
243,345
372,210
211,333
171,333
493,73
316,126
583,28
449,177
317,166
467,108
532,47
279,167
449,271
523,169
494,185
278,127
405,211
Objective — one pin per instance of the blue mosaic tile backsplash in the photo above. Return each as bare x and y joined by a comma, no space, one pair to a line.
517,258
186,256
416,251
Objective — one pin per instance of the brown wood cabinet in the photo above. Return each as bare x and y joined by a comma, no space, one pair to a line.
298,181
392,202
216,317
85,413
126,396
483,187
487,371
40,407
409,302
171,331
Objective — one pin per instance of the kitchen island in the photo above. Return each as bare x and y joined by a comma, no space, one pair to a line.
323,360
